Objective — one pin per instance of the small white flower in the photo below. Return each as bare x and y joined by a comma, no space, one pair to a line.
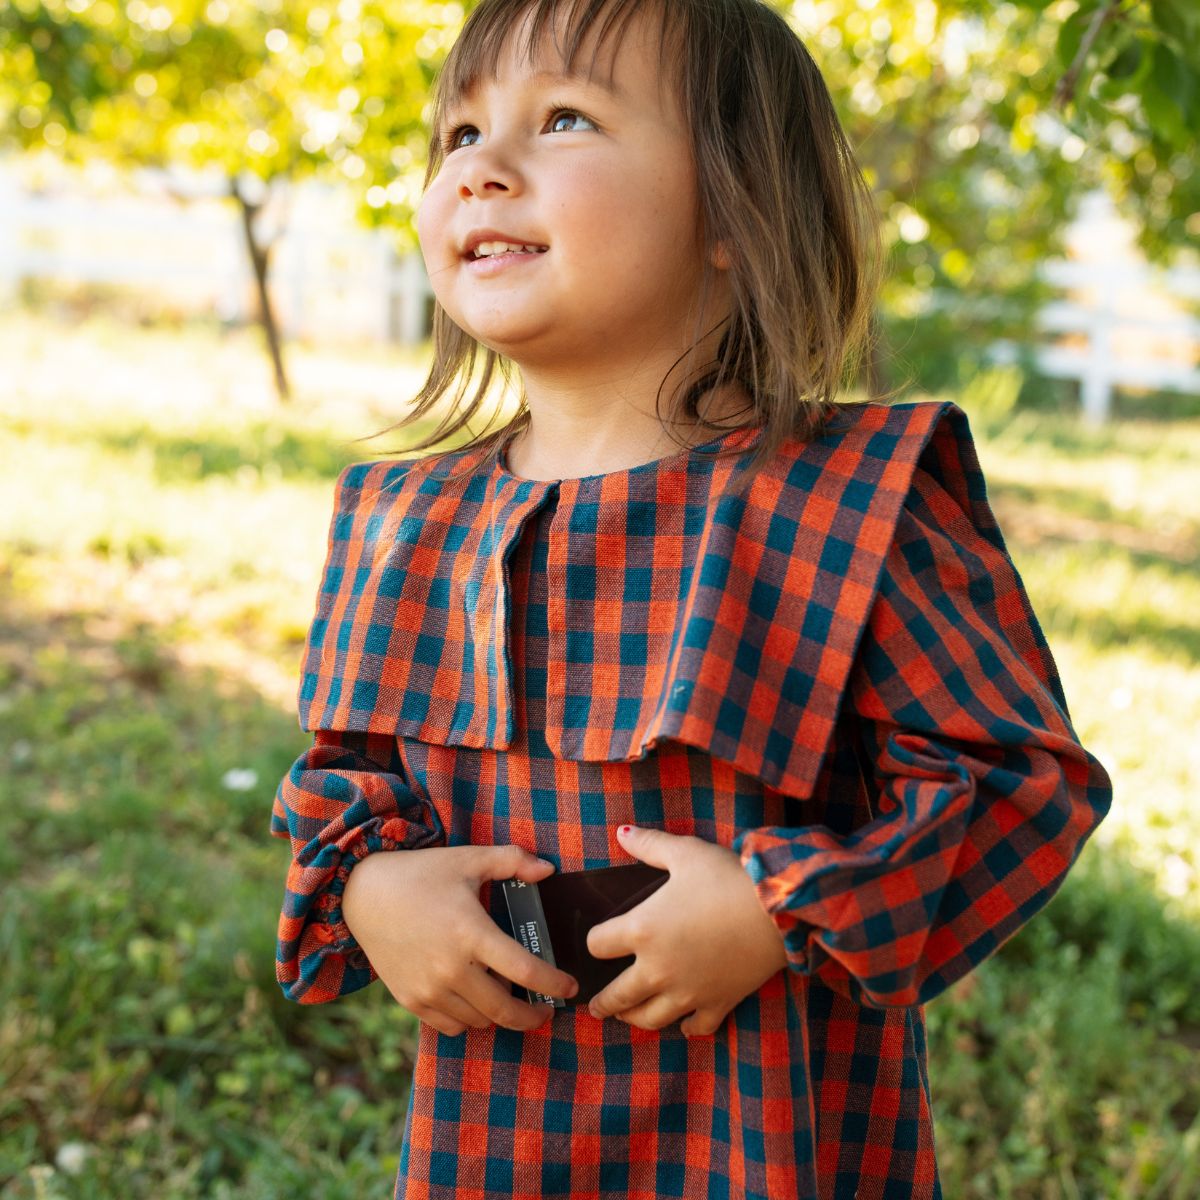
71,1157
240,779
141,1123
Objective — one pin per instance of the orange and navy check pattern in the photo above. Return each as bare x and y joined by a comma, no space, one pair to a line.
838,675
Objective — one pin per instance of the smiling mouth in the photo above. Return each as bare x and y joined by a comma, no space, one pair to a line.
473,256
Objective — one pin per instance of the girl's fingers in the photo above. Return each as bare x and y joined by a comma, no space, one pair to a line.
492,998
610,939
656,1013
452,1015
704,1022
512,961
627,992
506,862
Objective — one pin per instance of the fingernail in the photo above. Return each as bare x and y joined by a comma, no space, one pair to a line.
625,830
545,862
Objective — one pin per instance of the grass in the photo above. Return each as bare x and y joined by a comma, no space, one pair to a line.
163,524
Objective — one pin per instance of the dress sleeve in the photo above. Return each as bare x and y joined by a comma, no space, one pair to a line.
344,798
982,795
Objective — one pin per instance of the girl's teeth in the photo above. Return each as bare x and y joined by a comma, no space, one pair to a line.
487,249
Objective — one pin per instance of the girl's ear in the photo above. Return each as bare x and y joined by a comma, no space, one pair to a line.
721,258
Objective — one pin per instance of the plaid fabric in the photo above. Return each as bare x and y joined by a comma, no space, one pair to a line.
837,674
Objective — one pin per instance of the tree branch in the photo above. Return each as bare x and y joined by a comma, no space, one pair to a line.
1065,91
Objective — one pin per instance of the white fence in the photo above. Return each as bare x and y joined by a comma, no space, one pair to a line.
331,278
1122,347
328,276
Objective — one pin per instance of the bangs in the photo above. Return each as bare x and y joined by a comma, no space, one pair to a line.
493,23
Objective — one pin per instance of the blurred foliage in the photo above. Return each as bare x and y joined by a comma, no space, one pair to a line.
978,170
1128,89
153,607
267,92
951,104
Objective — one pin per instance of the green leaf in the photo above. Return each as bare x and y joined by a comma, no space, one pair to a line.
1127,71
1179,86
1163,114
1127,61
1071,35
1178,18
1179,79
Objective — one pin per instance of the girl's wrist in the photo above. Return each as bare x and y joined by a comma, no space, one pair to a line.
361,893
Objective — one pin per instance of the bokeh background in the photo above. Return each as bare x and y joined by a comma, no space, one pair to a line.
210,291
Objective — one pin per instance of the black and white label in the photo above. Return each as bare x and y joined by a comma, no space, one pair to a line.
529,928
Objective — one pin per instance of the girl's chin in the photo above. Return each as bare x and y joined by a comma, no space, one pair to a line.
510,338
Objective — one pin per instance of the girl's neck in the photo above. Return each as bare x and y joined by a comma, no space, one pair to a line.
559,445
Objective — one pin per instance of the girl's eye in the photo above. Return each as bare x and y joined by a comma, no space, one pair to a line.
569,112
450,141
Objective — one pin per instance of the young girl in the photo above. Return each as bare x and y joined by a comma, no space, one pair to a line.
769,642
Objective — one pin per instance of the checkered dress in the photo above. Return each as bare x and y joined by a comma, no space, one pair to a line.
837,674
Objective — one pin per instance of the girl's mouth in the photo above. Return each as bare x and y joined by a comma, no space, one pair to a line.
494,263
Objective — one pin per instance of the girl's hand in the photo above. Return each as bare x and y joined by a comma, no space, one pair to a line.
702,941
418,916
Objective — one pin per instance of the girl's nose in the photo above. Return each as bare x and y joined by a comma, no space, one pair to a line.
487,171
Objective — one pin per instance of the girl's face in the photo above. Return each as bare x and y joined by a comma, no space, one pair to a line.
604,179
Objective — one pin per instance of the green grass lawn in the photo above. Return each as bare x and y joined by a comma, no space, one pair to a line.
162,529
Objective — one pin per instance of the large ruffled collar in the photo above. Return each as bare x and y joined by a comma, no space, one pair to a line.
676,610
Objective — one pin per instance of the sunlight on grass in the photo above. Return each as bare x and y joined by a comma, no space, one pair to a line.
1108,544
163,523
159,475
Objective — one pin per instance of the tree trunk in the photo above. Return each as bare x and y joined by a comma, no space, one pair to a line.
260,259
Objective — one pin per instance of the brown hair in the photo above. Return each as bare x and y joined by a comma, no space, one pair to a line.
778,184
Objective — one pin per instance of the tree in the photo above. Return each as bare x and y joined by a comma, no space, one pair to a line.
265,91
1129,87
979,155
979,125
